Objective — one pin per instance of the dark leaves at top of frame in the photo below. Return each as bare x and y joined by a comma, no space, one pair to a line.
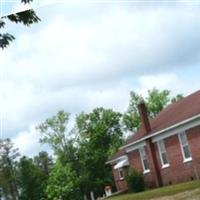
26,1
27,17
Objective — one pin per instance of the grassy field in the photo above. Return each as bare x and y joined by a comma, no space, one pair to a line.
183,191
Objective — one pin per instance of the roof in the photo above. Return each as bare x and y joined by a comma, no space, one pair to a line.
118,154
174,113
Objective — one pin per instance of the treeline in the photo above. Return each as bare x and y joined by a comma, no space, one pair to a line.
78,164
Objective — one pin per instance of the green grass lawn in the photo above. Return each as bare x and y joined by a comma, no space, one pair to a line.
159,192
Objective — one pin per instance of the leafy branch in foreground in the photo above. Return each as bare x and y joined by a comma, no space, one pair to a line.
26,18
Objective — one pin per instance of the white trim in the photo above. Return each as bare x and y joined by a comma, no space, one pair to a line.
187,160
177,130
160,153
165,166
146,171
172,130
142,159
121,164
181,146
164,130
117,159
121,177
134,147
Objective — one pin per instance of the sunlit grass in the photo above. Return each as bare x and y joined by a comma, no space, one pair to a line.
159,192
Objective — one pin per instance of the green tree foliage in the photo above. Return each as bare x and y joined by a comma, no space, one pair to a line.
32,180
100,135
100,128
131,118
43,162
80,166
156,101
70,155
63,183
26,18
53,132
8,170
177,98
135,181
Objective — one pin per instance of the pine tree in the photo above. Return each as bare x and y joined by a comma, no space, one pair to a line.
8,172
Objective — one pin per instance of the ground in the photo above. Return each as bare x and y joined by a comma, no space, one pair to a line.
183,191
188,195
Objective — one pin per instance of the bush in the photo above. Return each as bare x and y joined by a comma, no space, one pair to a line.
135,181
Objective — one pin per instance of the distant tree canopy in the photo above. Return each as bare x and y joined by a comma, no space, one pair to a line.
26,18
155,101
8,170
79,163
98,135
24,178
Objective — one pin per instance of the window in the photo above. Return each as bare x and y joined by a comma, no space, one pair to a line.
144,160
121,174
163,154
184,147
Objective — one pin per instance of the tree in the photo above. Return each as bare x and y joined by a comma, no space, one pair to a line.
156,101
43,162
100,135
32,180
131,118
53,132
26,18
63,183
177,98
101,127
8,171
80,166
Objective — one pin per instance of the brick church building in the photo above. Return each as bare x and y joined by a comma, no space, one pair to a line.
166,149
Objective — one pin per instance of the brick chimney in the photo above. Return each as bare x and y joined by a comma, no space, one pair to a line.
144,117
150,146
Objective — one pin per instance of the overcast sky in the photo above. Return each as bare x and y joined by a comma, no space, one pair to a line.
85,55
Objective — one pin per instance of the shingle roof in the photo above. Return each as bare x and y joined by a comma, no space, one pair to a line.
174,113
118,154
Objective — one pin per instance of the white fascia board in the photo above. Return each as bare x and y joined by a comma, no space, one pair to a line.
177,130
121,164
136,146
124,157
164,130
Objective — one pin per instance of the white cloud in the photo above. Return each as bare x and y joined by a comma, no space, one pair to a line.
25,105
76,61
28,142
160,81
116,45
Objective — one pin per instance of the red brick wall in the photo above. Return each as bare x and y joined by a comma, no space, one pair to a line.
177,171
136,163
121,185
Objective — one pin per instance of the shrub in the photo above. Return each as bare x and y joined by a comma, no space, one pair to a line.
135,181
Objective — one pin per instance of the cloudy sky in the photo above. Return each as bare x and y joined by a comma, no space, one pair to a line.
85,54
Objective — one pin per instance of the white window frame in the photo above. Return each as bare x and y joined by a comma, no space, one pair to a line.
119,171
182,146
159,143
142,157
